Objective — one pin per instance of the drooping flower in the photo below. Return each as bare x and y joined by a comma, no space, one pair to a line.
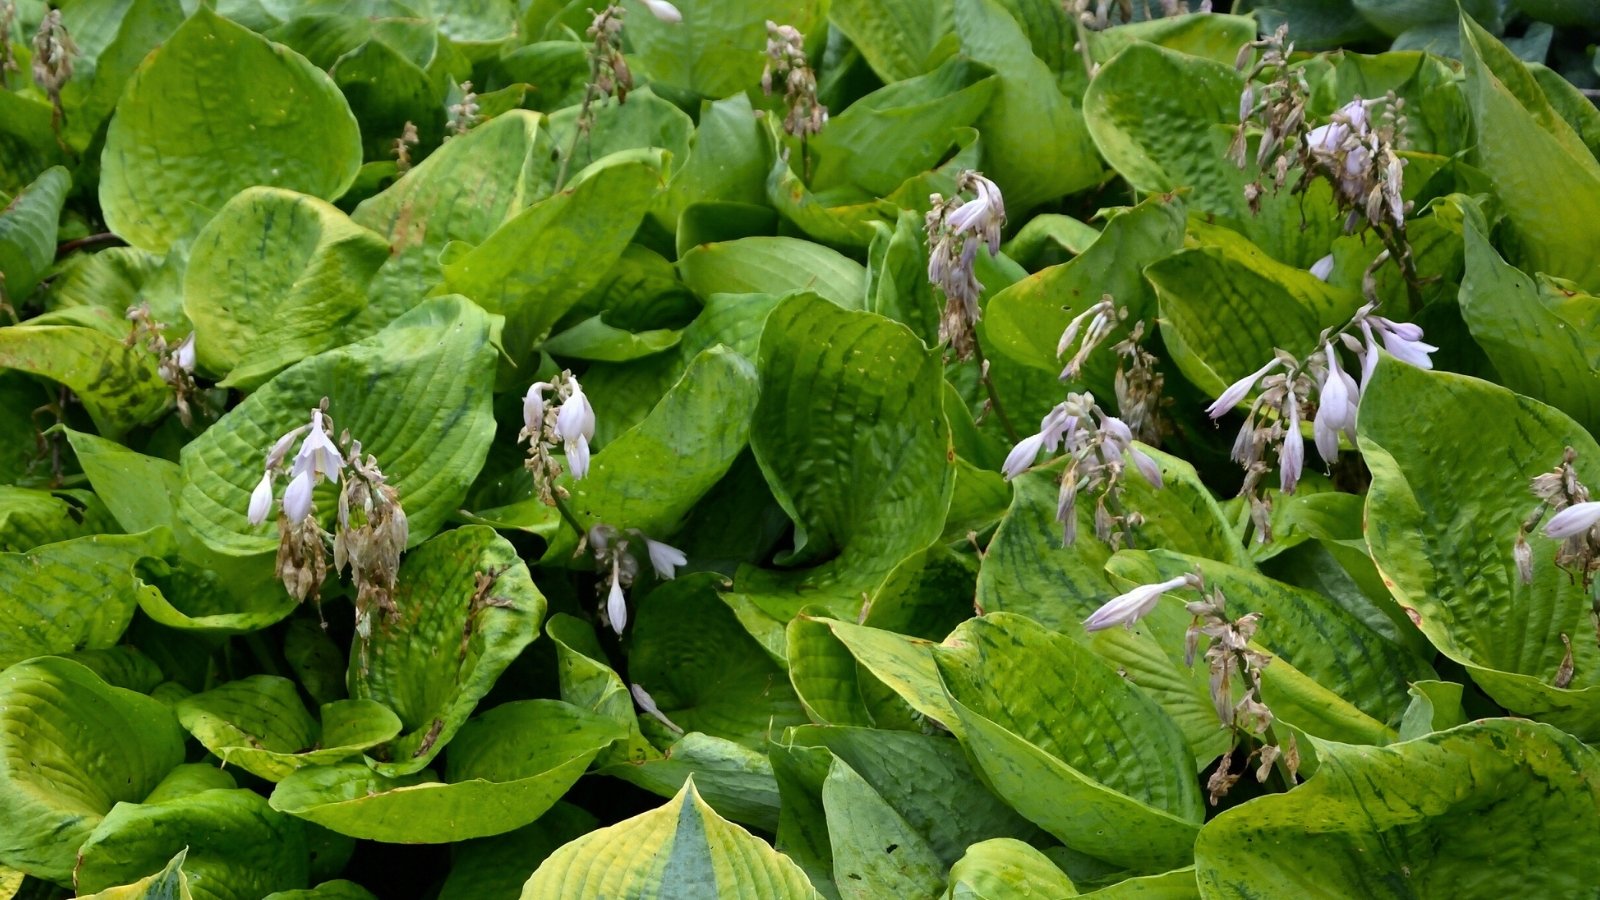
261,499
1146,466
664,558
318,455
1237,391
1128,608
1323,267
184,354
1573,521
1336,408
297,497
617,603
575,427
663,10
1292,454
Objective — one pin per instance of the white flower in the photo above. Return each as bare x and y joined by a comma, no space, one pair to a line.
1022,456
533,406
1237,391
1327,138
577,452
1573,521
648,704
185,353
1323,267
1336,408
1292,455
575,427
318,455
1406,349
1125,609
665,558
261,499
617,603
663,10
1146,466
297,497
1369,356
281,448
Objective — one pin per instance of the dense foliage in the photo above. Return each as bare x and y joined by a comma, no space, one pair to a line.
498,450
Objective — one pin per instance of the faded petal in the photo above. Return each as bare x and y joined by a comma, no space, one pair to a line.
297,497
1125,609
261,500
1573,521
664,558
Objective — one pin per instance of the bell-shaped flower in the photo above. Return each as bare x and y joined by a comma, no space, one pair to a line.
184,355
1237,391
1323,267
1146,466
617,603
1292,455
663,10
318,455
261,499
1574,520
533,407
1336,409
664,558
1409,350
297,497
1126,609
575,428
1022,456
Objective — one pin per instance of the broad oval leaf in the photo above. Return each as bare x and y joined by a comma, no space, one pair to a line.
28,232
214,110
74,595
118,384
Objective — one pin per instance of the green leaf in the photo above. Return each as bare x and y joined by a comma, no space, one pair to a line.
1482,808
899,39
32,518
461,192
738,780
237,846
1443,516
1435,706
467,608
728,162
273,278
497,866
118,384
506,768
328,890
1543,335
436,364
773,265
1543,174
140,491
386,90
536,266
1025,321
1225,306
717,49
1069,744
214,110
71,747
594,339
74,595
259,724
1006,869
171,882
704,671
28,233
683,846
851,434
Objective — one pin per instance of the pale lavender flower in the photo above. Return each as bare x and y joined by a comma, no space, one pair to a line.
1128,608
1323,268
648,704
617,602
297,497
1573,521
533,407
663,10
1237,391
664,558
1054,428
261,499
1336,408
575,427
1146,466
318,455
1022,456
1292,455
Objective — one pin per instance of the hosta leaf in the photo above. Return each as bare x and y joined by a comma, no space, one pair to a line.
139,491
1004,869
237,846
717,49
1542,335
75,595
171,883
1225,306
506,768
683,846
1443,515
273,278
118,384
1483,810
328,890
259,724
435,365
773,265
900,39
32,518
1545,177
1045,720
214,110
497,866
1036,146
467,607
704,671
738,781
536,266
28,233
841,671
851,434
462,192
386,90
71,747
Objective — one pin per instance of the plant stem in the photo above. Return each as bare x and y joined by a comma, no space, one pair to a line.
566,514
994,395
583,123
104,238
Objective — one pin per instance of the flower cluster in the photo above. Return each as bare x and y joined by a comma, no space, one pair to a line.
1096,445
463,113
371,529
174,363
1229,657
1575,523
609,75
1139,383
610,549
787,64
402,147
564,417
53,52
955,228
1316,388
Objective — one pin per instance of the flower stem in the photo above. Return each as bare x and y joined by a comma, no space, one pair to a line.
994,395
